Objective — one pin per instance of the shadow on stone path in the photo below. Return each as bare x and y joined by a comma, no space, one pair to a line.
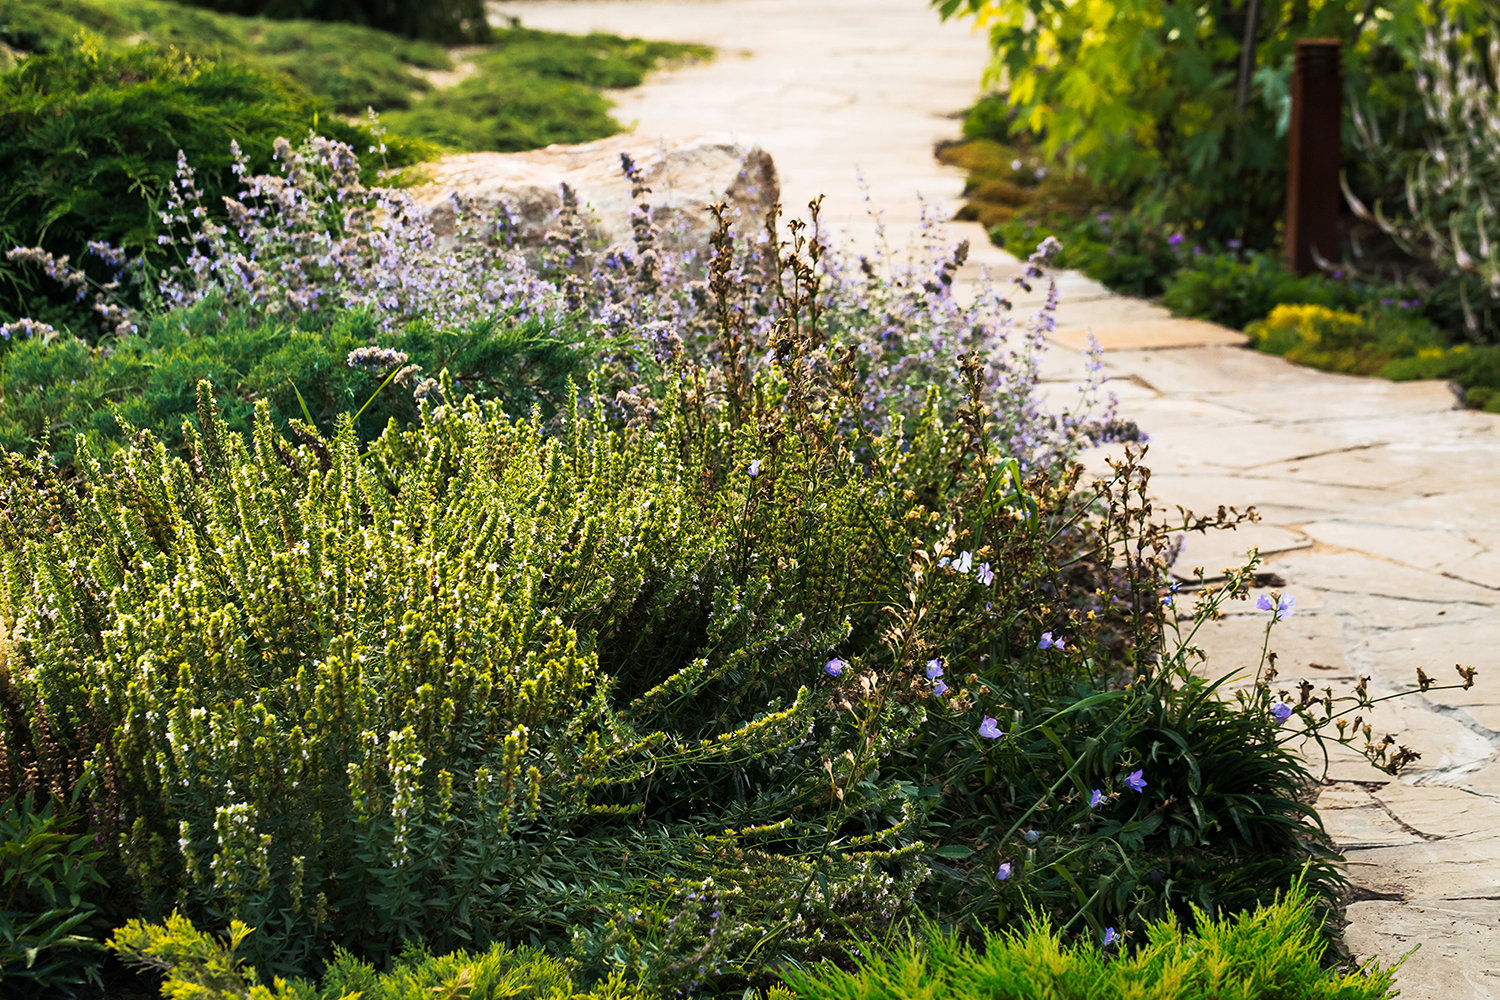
1380,501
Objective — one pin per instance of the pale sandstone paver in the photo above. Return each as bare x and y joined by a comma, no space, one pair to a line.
1379,498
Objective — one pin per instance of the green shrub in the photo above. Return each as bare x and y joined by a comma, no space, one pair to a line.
51,392
1181,110
1234,290
1475,367
1341,341
205,969
430,691
533,88
448,21
47,918
349,66
93,141
482,684
1269,953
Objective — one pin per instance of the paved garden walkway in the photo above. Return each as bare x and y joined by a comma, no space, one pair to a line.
1381,502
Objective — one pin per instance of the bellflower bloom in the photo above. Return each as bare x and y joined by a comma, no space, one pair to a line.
964,562
1047,642
1281,711
1110,936
1283,606
1004,872
754,469
1096,799
990,729
835,667
985,574
934,669
1032,836
1136,781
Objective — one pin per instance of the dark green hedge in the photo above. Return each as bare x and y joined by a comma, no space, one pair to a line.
439,20
91,142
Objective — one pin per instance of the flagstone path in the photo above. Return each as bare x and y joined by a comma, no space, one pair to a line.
1380,501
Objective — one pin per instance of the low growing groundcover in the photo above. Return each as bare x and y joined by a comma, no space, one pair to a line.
775,621
1271,952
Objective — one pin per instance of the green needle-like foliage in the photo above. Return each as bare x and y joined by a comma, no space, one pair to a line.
1266,954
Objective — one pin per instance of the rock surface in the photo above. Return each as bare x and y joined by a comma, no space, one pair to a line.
685,176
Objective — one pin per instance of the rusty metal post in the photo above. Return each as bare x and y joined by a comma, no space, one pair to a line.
1314,154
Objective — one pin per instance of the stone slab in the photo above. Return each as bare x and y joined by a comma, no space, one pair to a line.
1354,819
1148,334
1279,501
1357,573
1307,646
1452,948
1454,868
1428,548
1437,811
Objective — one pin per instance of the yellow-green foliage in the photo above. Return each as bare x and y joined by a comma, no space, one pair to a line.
200,967
1272,952
1320,337
442,688
1392,346
1339,341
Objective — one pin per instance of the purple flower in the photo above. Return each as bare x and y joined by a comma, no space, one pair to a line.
1175,239
754,469
1110,936
1032,836
1047,642
934,669
1096,799
990,729
985,574
1281,711
1004,872
1136,781
1284,605
938,687
834,667
964,562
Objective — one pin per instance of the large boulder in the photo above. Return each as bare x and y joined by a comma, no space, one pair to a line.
685,175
